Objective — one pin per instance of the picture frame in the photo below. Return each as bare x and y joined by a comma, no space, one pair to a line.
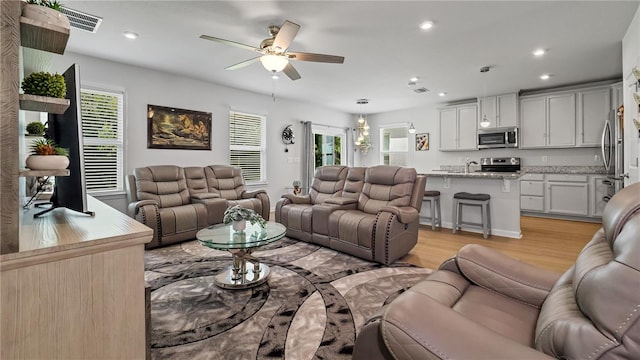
422,142
173,128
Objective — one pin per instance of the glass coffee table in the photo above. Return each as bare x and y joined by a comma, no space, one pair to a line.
241,245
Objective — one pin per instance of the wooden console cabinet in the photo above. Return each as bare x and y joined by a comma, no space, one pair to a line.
75,290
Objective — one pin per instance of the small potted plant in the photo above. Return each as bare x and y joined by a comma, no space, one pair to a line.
47,156
47,11
239,217
43,83
35,128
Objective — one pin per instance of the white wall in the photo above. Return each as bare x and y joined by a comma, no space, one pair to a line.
631,58
425,119
145,86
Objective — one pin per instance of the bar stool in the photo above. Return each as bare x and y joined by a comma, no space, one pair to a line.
433,197
482,200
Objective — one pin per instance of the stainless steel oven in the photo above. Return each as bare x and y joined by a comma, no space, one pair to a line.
498,138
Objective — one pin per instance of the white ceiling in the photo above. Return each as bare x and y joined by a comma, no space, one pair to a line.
380,40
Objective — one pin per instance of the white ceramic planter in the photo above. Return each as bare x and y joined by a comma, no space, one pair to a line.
239,225
45,14
47,162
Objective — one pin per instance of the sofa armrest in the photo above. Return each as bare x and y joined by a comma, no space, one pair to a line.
437,331
405,214
251,194
306,199
341,201
134,207
204,195
215,208
498,272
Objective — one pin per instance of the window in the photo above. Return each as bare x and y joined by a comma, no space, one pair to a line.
395,146
247,145
329,147
103,138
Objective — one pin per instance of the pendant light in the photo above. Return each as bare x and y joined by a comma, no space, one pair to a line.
412,129
485,122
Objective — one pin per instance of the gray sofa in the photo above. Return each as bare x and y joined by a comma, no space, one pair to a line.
370,212
177,202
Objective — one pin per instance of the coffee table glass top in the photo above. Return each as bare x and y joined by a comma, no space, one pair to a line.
223,237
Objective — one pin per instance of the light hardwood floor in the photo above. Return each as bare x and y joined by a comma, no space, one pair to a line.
548,243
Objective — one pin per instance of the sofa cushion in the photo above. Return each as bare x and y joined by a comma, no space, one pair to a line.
328,181
182,219
386,186
225,180
196,180
254,204
297,217
353,226
164,184
354,182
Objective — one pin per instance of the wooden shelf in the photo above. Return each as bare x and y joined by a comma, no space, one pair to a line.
37,173
43,103
43,36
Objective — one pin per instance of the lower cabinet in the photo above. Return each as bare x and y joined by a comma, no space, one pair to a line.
564,194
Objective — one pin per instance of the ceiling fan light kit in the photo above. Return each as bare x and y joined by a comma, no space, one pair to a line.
275,57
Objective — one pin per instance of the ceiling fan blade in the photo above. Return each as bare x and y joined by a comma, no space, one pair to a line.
301,56
285,35
291,72
229,42
243,64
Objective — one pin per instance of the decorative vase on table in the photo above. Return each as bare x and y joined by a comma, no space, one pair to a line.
239,225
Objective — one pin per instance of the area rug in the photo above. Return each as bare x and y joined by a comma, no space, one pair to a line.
312,307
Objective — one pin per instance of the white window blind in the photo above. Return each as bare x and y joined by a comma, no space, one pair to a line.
247,145
102,131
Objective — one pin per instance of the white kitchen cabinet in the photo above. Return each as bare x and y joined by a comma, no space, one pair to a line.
567,194
616,95
548,121
532,192
458,127
594,107
501,110
598,192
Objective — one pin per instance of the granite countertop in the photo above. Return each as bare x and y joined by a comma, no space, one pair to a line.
565,169
474,174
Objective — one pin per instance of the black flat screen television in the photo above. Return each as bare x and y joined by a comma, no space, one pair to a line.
66,130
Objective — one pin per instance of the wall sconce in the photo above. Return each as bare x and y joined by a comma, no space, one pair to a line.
362,137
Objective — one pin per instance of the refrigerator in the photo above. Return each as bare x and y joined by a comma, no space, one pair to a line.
613,150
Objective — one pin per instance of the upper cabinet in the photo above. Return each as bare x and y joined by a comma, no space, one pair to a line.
570,118
501,111
458,127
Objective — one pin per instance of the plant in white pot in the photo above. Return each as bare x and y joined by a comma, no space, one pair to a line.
47,156
239,216
48,11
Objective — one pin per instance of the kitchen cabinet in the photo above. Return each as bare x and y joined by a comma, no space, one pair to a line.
501,110
594,107
532,192
458,127
599,194
548,121
616,95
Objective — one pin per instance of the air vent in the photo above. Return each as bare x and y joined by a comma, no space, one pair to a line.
82,21
420,90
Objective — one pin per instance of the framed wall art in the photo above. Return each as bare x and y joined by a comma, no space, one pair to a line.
173,128
422,142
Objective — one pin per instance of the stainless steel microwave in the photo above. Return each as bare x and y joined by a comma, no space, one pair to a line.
498,138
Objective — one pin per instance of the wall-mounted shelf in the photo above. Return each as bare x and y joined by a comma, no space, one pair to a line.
37,173
43,36
43,104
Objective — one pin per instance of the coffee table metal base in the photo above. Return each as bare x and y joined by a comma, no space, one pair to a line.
239,275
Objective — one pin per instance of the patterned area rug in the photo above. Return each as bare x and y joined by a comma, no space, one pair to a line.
312,307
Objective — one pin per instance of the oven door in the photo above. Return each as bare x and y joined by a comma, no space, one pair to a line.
490,140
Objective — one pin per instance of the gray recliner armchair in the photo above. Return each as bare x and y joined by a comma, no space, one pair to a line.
485,305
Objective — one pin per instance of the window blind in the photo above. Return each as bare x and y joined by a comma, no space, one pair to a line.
103,137
247,149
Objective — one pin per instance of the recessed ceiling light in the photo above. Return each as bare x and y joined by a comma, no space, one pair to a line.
426,25
539,52
442,94
130,35
413,79
545,77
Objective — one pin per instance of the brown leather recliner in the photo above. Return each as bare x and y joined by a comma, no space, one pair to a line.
294,212
227,182
485,305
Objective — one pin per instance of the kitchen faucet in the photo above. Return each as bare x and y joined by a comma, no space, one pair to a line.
466,167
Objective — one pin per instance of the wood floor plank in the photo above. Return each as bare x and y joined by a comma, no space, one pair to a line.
548,243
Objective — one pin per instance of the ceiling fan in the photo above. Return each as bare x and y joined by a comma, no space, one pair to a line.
275,56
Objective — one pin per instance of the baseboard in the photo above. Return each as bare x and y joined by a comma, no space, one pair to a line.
562,217
496,232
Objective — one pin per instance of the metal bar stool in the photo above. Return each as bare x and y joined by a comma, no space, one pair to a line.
482,200
433,197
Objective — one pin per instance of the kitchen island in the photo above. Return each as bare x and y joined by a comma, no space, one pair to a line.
504,188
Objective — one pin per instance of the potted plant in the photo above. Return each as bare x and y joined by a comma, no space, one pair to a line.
43,83
239,217
35,128
47,156
47,11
